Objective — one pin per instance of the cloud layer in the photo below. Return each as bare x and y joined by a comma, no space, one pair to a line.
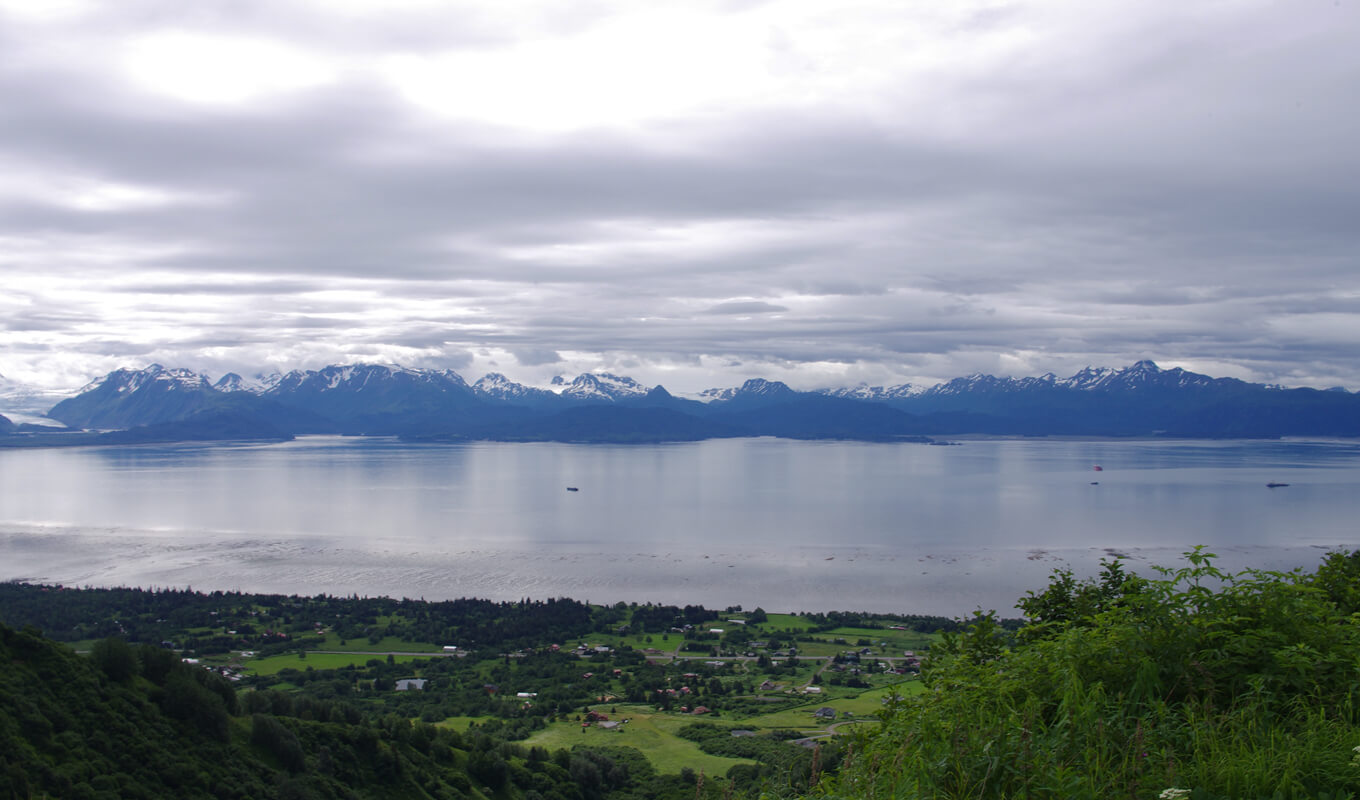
691,194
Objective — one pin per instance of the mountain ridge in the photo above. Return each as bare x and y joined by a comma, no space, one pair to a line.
1141,399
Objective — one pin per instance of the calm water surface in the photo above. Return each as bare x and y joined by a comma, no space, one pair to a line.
783,524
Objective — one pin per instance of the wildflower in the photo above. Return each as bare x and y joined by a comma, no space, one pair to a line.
1174,794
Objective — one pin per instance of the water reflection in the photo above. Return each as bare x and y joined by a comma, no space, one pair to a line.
811,525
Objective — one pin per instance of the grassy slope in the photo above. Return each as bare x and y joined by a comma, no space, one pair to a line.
652,733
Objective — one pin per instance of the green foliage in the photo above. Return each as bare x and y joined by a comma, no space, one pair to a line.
1227,685
115,658
169,729
269,734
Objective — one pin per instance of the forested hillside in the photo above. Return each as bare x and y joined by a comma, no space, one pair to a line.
136,722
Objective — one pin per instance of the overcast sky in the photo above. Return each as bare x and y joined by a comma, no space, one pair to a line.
691,193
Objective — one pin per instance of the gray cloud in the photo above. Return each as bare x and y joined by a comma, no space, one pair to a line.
1123,185
745,307
533,357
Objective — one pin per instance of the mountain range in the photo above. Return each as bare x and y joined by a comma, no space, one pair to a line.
439,405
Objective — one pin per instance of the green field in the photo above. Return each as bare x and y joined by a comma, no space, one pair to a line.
820,649
636,641
655,734
896,641
651,733
387,644
863,705
461,724
273,664
779,622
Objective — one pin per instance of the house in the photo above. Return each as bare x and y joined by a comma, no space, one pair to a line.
411,684
825,712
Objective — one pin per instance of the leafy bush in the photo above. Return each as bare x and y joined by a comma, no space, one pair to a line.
1224,685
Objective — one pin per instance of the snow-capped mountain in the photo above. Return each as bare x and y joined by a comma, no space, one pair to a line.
1141,399
709,395
603,387
1142,375
875,394
1087,378
979,383
259,383
752,389
358,377
495,386
128,397
125,381
1145,373
374,398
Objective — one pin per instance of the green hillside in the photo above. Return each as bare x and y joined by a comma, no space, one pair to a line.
1198,685
136,722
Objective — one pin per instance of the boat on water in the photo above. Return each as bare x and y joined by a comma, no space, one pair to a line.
573,489
1274,485
1097,468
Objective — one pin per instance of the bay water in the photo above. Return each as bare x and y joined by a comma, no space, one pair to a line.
785,525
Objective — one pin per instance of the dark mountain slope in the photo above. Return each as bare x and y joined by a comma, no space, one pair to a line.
125,398
600,423
818,416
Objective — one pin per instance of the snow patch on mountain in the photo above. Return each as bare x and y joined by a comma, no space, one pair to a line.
124,381
355,377
259,383
754,387
495,386
875,394
603,386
